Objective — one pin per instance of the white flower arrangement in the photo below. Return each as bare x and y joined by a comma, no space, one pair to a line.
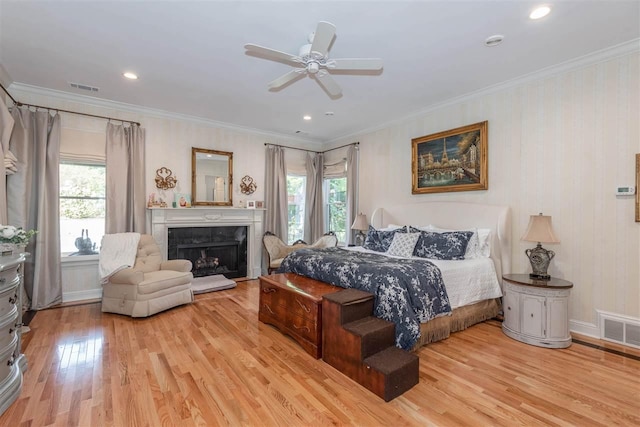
15,235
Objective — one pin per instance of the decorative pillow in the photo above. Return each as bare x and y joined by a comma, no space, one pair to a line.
403,244
449,245
378,240
479,245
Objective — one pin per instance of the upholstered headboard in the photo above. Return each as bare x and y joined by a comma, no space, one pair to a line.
456,215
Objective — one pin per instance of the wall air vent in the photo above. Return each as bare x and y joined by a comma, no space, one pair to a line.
84,87
621,329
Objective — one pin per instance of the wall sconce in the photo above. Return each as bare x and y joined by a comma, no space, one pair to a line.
539,230
165,179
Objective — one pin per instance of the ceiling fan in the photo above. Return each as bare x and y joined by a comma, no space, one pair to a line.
313,60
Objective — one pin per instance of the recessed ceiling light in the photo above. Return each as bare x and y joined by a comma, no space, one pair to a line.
540,12
307,117
130,75
494,40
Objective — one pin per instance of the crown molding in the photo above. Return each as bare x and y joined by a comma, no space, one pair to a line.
623,49
150,112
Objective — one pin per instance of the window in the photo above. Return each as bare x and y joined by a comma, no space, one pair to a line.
82,207
296,189
335,214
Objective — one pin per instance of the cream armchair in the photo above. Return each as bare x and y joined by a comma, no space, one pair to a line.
277,249
150,286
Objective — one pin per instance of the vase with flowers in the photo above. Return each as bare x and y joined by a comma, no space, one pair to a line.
11,238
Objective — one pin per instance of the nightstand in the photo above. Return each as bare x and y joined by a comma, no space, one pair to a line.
536,312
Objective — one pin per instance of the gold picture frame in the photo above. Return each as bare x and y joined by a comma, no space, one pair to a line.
637,187
453,160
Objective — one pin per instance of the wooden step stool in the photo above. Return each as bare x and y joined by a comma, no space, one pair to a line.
361,346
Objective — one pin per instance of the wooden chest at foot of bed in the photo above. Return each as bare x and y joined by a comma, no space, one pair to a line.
293,304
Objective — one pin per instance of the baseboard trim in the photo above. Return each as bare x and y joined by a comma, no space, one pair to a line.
584,328
91,294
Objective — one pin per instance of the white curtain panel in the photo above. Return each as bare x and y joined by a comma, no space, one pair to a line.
314,208
125,169
276,218
352,190
32,200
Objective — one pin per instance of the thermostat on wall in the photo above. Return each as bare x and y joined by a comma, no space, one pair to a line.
625,191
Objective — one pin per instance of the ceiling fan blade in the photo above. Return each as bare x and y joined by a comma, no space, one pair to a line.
272,53
330,85
355,64
323,37
283,80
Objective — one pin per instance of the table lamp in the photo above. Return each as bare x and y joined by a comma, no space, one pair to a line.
361,225
539,230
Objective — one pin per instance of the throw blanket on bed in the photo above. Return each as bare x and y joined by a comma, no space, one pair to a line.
407,291
117,251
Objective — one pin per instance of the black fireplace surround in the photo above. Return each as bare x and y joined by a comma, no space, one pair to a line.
211,250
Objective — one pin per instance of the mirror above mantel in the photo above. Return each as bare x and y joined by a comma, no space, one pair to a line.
211,177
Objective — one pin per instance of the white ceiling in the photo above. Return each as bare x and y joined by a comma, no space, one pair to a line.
191,60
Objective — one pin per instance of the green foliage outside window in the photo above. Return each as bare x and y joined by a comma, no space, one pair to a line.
296,187
82,191
336,200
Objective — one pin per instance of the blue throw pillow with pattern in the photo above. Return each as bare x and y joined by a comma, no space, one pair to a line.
379,240
450,245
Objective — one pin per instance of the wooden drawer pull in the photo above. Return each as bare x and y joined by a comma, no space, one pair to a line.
304,307
268,290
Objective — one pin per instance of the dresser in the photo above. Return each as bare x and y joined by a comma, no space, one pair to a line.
12,362
293,304
536,312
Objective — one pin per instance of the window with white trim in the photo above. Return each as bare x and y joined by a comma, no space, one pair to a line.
82,206
296,190
335,207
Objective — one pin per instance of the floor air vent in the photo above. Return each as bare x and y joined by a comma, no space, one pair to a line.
84,87
623,330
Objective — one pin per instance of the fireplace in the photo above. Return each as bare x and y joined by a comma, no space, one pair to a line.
211,250
164,219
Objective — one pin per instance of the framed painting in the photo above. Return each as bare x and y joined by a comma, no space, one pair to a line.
637,187
453,160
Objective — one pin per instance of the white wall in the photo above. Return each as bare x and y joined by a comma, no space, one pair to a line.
558,145
169,139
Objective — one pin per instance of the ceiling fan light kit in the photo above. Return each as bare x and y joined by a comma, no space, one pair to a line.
313,60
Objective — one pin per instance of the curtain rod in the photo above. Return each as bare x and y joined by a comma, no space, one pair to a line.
19,104
311,151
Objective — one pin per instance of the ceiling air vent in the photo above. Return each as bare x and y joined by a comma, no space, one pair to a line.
84,87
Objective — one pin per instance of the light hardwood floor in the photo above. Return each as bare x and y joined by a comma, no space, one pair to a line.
213,363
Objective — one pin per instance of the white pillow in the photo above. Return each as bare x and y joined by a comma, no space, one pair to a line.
403,244
391,227
479,245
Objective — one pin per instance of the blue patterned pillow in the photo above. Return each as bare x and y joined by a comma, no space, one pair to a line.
378,240
450,245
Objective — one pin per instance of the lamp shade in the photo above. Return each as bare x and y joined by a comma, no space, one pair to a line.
540,230
360,222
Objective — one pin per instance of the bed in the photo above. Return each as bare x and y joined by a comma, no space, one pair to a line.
472,285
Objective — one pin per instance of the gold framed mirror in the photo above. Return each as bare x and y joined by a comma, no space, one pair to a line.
211,177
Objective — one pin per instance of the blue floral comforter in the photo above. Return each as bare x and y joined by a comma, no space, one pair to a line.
407,291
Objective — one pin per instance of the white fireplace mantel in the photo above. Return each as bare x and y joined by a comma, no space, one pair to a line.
164,218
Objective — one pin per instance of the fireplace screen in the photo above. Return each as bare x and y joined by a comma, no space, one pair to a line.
211,250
